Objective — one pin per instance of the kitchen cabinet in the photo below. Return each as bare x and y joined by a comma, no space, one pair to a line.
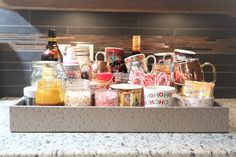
149,6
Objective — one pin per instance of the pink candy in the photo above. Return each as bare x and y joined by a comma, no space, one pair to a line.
106,98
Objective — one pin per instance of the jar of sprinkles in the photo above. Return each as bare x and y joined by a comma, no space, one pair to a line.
78,93
104,97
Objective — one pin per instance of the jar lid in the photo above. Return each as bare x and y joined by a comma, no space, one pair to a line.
44,63
30,91
82,83
104,76
124,86
71,66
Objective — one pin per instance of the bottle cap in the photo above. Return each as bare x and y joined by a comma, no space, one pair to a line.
52,33
30,91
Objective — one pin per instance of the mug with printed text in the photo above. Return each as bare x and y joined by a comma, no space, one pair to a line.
159,96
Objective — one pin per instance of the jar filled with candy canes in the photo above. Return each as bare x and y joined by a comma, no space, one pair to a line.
78,93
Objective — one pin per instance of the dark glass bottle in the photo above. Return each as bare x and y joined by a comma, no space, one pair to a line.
52,52
136,42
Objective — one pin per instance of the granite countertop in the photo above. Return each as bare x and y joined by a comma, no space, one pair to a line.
117,144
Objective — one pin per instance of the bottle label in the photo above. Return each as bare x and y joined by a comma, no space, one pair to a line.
52,39
136,44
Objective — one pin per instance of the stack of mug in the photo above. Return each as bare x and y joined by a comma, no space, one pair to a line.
187,75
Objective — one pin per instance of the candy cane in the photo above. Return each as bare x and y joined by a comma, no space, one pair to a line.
163,77
139,77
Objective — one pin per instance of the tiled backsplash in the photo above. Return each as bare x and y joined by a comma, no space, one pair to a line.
23,36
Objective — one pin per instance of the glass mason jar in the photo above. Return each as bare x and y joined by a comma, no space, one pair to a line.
37,67
72,70
82,56
78,93
49,90
104,97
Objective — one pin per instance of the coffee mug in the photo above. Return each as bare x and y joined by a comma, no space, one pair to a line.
196,102
159,96
164,58
183,55
139,58
128,94
111,54
191,69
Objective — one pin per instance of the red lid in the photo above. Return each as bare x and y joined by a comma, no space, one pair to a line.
105,76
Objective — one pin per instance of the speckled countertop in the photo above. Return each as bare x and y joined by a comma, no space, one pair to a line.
117,144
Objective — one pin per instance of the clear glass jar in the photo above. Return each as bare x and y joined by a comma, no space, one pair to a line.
37,67
105,97
94,86
82,56
78,93
49,90
72,70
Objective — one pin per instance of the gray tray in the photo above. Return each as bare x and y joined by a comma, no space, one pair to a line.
118,119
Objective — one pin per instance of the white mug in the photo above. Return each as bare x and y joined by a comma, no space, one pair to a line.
165,58
159,96
139,58
183,55
196,102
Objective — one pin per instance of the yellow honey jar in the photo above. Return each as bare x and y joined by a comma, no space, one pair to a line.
49,91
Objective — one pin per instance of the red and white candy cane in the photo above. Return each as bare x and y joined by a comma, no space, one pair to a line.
163,79
147,79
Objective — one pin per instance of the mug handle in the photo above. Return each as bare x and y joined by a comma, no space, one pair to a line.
89,70
213,70
100,52
154,58
161,61
178,97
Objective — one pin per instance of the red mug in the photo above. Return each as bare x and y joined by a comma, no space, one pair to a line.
111,54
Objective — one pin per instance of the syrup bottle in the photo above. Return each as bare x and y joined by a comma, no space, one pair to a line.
52,52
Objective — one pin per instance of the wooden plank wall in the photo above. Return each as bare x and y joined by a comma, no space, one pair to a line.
23,38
